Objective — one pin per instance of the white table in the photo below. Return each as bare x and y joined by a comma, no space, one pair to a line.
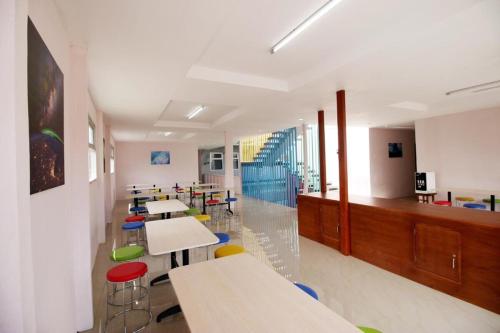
207,185
165,207
148,188
149,195
240,294
172,235
177,234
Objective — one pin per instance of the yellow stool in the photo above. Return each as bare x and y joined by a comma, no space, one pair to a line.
228,250
203,218
459,201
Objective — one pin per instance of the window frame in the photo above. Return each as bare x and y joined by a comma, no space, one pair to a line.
236,157
213,158
92,160
112,159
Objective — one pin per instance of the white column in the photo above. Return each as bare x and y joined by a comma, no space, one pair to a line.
17,288
305,157
79,200
228,160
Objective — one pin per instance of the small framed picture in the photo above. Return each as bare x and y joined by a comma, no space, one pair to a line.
395,149
160,157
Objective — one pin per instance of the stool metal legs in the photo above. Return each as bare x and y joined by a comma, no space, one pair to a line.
142,289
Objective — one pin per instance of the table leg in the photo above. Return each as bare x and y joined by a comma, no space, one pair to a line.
204,205
136,202
169,312
190,196
176,308
229,203
164,277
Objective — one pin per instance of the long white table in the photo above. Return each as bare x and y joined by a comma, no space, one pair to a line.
165,207
172,235
240,294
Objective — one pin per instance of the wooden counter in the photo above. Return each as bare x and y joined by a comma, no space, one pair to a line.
451,249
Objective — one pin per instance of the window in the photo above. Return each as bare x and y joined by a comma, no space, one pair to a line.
236,161
92,152
112,160
216,161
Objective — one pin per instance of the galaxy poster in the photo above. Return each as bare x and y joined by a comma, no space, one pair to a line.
46,115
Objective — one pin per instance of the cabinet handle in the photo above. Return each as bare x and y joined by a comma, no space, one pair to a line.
338,228
453,261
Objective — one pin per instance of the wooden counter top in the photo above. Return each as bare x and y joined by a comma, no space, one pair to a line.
482,218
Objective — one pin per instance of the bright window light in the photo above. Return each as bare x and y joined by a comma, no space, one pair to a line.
305,24
196,111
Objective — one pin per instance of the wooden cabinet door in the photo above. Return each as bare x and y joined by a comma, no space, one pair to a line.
308,215
437,250
329,220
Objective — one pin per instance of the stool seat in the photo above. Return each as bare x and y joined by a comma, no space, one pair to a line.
192,212
198,193
465,199
132,225
203,218
442,203
475,206
228,250
127,253
368,330
231,199
212,202
308,290
223,237
135,218
127,272
488,200
138,209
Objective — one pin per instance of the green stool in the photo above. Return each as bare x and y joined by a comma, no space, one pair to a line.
368,330
127,253
192,212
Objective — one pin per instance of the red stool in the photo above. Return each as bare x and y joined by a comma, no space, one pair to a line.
132,278
442,203
135,218
213,205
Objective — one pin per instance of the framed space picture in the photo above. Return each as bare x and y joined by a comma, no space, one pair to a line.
160,157
46,115
395,150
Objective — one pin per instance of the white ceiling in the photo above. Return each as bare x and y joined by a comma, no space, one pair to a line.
150,62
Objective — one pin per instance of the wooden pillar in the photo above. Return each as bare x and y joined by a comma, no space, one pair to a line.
322,152
345,228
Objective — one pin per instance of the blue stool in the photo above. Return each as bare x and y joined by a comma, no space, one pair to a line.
474,206
133,226
229,200
307,290
138,210
223,237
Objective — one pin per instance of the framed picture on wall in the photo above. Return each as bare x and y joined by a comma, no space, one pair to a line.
395,150
46,115
160,157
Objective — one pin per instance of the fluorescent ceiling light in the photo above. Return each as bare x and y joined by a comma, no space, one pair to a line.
305,24
195,111
476,88
166,133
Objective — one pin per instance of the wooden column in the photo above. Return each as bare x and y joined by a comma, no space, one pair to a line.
322,152
345,228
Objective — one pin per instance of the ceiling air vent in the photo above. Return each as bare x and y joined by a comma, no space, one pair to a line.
476,88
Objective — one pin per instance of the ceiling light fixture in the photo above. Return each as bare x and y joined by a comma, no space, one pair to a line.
166,133
196,111
482,87
305,24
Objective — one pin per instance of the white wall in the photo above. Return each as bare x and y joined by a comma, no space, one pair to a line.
133,164
464,151
17,310
392,177
358,159
48,266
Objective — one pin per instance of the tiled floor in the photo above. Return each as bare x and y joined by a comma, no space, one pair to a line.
360,292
